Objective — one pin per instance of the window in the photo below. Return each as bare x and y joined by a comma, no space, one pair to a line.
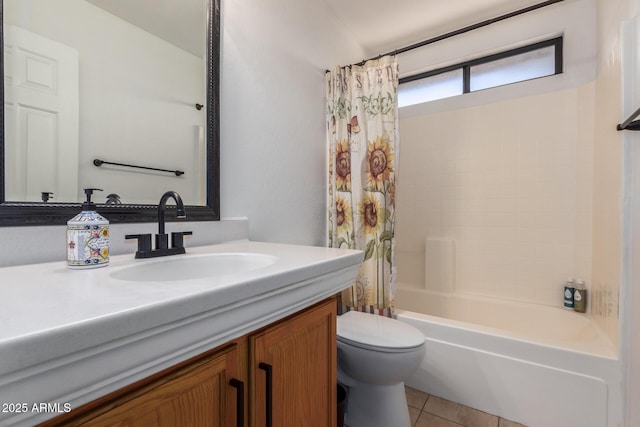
525,63
443,85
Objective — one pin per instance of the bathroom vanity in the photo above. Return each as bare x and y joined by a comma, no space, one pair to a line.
291,363
251,345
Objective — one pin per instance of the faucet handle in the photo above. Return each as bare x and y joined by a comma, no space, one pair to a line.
177,238
162,241
144,243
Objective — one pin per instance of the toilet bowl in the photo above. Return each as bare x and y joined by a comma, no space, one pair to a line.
375,355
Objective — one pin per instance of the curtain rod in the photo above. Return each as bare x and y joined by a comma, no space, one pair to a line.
462,30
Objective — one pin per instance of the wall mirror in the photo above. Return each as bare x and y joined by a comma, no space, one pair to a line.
121,95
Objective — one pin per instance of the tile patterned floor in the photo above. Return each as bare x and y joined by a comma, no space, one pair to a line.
432,411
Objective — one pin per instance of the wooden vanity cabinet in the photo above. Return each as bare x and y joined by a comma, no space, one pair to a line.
293,371
285,373
194,393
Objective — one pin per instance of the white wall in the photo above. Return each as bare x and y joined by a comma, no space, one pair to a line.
618,35
630,313
273,127
33,245
137,97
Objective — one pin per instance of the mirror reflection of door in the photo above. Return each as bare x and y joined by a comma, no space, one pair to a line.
41,117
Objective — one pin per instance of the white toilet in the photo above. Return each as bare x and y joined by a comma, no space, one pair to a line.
375,355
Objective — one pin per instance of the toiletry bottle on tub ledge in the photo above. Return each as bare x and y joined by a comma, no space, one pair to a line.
580,297
569,289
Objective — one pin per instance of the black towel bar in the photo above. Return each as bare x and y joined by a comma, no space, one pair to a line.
99,163
630,124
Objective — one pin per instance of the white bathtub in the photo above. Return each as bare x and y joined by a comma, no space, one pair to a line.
538,365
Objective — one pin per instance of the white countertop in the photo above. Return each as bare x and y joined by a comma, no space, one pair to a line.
70,336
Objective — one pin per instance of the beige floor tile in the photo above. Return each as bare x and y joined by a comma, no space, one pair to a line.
460,414
429,420
414,414
415,398
507,423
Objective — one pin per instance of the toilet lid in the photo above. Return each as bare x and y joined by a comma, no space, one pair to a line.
368,330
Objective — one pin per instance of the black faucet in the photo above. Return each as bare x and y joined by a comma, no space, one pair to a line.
162,238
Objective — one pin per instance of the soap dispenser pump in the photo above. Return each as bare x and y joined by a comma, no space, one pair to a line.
88,237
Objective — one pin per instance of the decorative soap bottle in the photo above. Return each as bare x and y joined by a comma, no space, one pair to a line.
88,237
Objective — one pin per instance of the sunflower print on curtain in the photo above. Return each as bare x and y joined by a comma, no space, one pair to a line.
362,134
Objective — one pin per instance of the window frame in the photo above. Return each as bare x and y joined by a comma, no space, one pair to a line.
556,42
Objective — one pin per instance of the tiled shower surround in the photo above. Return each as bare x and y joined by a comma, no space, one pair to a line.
511,184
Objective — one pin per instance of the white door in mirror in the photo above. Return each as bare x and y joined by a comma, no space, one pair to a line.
41,117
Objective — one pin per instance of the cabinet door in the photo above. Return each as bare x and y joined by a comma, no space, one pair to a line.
197,394
294,370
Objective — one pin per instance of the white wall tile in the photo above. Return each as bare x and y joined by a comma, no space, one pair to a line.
513,187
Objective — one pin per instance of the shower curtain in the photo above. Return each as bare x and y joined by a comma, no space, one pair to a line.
362,135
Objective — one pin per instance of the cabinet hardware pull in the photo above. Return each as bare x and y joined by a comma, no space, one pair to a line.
239,386
269,388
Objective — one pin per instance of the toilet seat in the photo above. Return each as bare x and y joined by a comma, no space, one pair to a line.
378,333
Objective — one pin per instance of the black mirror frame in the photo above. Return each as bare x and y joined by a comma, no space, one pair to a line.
31,214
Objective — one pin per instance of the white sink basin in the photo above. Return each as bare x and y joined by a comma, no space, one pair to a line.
188,267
